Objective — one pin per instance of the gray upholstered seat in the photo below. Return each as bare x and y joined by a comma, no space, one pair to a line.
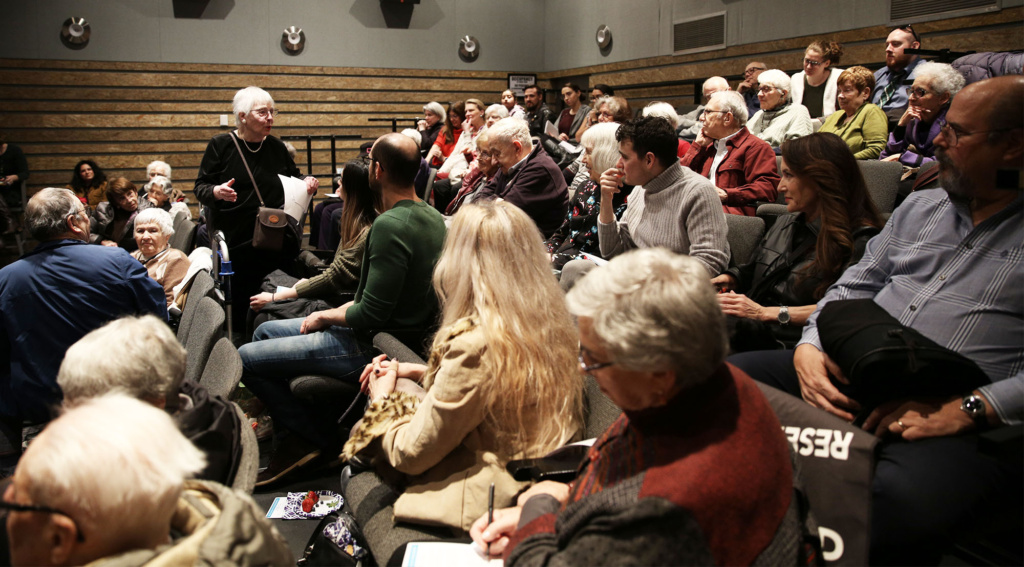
883,180
223,369
207,328
744,235
202,286
184,233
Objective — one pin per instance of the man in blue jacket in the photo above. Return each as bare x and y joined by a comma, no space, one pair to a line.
52,297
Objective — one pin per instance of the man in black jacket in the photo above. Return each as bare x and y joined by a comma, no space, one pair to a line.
537,113
529,178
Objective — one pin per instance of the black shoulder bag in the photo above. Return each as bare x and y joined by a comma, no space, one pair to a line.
271,224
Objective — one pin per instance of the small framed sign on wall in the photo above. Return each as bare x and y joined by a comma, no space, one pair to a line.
517,83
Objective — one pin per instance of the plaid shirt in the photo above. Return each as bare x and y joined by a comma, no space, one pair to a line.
958,284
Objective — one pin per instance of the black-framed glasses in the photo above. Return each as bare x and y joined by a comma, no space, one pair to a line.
751,70
812,63
909,29
918,92
588,368
7,506
953,133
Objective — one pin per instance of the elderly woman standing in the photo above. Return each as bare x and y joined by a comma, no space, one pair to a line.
861,124
696,471
112,221
167,266
816,86
433,121
225,187
779,119
935,85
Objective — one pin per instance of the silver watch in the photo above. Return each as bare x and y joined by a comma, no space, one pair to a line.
974,407
783,315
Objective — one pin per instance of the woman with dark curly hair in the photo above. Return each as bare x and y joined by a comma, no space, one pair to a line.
89,183
830,219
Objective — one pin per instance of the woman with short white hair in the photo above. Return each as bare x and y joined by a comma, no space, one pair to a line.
157,167
912,140
166,265
668,112
430,125
779,119
494,113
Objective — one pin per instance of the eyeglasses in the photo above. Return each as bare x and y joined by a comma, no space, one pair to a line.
265,112
909,29
588,368
706,111
953,133
766,89
812,63
750,70
4,505
917,91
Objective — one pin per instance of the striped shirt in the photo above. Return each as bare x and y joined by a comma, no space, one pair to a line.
958,284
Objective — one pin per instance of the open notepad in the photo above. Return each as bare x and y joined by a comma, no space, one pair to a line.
437,553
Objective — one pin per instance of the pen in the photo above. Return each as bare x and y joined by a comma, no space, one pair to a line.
490,513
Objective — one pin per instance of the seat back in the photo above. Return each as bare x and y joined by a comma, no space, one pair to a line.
207,328
744,235
430,184
184,233
249,464
202,286
883,180
223,370
837,464
600,410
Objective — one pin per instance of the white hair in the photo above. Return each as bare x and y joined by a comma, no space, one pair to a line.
777,79
247,99
714,81
436,108
115,464
47,211
507,130
414,134
497,109
605,154
161,165
654,311
160,181
732,102
149,363
942,77
158,216
663,110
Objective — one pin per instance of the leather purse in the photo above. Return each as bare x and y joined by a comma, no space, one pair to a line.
271,224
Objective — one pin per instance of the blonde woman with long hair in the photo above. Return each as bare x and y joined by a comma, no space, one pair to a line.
501,382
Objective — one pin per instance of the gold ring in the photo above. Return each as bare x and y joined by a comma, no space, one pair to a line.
900,423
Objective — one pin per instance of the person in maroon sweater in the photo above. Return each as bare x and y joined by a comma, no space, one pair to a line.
746,171
696,471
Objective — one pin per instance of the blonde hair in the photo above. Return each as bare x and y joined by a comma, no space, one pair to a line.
531,340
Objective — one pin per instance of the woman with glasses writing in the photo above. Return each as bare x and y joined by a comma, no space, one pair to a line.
862,125
815,87
934,86
224,185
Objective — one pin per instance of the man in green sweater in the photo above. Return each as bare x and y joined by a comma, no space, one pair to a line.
394,294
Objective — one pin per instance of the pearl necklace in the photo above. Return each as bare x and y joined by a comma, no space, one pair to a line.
247,144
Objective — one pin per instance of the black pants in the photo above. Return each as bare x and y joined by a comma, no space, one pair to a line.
927,494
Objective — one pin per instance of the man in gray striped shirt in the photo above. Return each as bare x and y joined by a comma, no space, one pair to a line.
949,265
670,206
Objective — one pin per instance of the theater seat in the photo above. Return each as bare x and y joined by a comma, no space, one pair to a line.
744,234
207,329
883,181
223,369
202,286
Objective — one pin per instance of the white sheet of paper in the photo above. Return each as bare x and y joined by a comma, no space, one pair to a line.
277,508
296,199
436,553
568,147
550,129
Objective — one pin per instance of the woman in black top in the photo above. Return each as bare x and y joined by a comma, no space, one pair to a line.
831,218
224,186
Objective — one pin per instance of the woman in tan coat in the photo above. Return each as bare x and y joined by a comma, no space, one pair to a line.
501,382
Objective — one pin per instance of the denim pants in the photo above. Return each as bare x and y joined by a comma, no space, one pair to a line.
279,352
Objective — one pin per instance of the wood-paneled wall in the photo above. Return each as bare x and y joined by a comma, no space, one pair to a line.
125,115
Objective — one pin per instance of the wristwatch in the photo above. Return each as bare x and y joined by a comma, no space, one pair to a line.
974,407
783,315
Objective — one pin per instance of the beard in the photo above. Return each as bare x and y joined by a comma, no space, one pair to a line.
952,178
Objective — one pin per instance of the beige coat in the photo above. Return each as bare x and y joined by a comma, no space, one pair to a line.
443,443
167,268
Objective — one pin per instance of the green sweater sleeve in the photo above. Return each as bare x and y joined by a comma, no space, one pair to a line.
342,275
875,132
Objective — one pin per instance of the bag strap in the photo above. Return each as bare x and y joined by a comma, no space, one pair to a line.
247,170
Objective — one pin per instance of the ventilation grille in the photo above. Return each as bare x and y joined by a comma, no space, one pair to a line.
904,10
703,34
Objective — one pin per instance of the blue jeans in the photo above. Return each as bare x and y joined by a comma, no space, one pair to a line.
280,352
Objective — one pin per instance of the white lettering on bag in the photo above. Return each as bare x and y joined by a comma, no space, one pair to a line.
822,443
830,552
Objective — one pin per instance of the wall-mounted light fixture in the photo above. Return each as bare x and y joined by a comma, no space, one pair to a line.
75,32
604,39
469,49
293,40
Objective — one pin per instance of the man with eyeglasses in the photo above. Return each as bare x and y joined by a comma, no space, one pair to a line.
690,123
891,81
949,265
749,86
52,297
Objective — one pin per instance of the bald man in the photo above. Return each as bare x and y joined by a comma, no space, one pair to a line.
689,123
394,293
948,265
